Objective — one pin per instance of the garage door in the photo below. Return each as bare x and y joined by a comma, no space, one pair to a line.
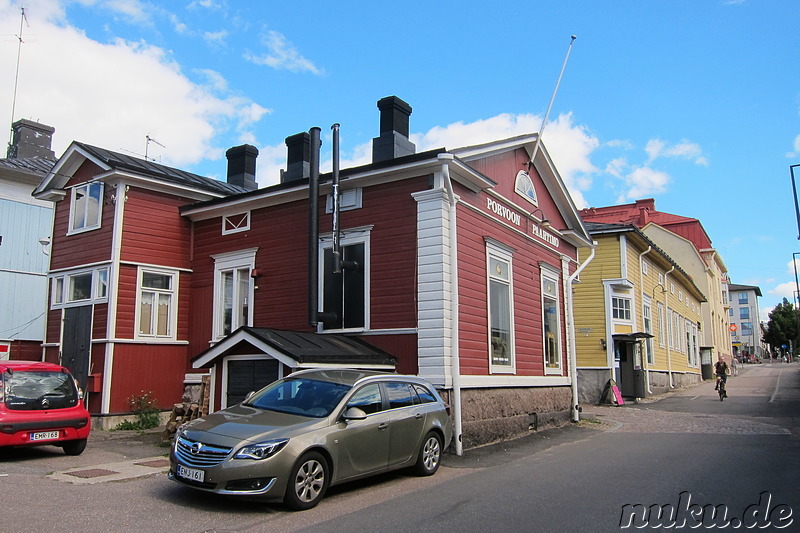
247,375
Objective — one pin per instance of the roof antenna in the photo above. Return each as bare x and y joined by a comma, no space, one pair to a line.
147,146
22,18
552,99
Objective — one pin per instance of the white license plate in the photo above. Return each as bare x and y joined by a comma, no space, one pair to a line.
191,473
44,435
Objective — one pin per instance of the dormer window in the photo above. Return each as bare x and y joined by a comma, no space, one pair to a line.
85,207
524,187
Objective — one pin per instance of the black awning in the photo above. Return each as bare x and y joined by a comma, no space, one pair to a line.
298,349
632,337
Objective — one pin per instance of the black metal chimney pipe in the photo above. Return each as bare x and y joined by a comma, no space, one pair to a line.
313,228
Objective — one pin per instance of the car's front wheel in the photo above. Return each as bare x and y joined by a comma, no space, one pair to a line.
430,455
308,482
74,447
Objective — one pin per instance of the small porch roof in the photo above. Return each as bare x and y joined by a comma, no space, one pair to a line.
297,349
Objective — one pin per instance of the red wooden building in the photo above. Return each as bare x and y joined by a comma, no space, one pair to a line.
456,267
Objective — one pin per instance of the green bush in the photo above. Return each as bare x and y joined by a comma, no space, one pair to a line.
147,414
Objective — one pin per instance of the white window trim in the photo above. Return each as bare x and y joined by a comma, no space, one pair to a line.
244,225
647,305
662,324
73,197
346,238
524,177
59,300
554,277
223,263
502,253
173,312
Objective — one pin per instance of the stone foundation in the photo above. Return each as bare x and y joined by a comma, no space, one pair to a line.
493,415
592,382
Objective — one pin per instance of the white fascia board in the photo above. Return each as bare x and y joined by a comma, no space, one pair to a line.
231,341
155,184
496,147
63,170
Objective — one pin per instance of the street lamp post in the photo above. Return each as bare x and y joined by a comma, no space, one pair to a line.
794,192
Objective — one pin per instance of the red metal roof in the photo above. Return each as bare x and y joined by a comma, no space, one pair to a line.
644,212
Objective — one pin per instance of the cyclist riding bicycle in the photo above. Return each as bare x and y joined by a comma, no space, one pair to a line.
721,370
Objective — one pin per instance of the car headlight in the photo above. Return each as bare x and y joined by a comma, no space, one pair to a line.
262,450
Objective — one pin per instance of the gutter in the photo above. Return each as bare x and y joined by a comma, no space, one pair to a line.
572,362
455,370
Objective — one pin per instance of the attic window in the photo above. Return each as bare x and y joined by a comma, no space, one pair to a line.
235,223
524,187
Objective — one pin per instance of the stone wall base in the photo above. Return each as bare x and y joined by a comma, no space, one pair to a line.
493,415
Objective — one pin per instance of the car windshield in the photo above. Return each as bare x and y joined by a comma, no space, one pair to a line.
305,397
38,391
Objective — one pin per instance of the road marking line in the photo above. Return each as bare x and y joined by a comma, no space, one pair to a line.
777,386
695,397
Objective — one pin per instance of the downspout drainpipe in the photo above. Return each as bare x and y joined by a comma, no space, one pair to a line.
672,325
573,354
455,365
641,285
113,296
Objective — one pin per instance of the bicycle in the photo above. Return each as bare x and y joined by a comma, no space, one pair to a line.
721,388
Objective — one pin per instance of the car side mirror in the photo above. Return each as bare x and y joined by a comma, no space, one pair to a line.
354,413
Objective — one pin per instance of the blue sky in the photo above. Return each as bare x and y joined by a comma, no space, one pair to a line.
692,102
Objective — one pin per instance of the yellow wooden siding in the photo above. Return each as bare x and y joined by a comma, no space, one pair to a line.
589,300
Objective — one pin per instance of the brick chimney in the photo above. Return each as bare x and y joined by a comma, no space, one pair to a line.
393,140
298,157
242,166
30,139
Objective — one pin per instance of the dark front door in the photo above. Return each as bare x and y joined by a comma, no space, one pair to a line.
624,351
77,341
248,375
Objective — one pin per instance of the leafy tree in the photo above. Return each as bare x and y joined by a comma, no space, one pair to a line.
783,326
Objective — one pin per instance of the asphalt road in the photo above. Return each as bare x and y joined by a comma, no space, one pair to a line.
687,450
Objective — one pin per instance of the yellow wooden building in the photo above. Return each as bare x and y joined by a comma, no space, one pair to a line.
638,318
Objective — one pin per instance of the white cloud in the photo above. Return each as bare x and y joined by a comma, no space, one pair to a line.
282,55
796,147
114,94
656,148
642,182
216,37
784,290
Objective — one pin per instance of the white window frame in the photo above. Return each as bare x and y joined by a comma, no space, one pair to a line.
232,262
503,255
647,324
347,237
621,312
523,186
172,292
551,276
62,283
87,224
235,223
662,330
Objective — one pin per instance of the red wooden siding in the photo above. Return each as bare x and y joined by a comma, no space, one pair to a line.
154,368
473,227
153,232
87,247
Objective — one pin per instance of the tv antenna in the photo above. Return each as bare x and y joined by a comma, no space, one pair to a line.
147,146
22,19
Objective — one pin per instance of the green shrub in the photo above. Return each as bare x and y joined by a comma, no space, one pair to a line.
147,414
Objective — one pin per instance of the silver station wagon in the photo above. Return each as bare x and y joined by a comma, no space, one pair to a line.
299,435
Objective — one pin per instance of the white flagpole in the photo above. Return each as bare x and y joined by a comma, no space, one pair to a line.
552,99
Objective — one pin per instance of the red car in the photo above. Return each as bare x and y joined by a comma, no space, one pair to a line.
40,404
